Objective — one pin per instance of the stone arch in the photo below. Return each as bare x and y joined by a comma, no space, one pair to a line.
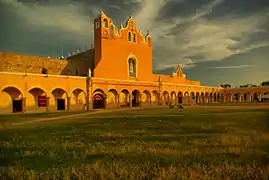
146,98
99,99
166,97
59,99
136,98
229,97
186,98
256,97
124,98
207,97
173,98
179,97
11,99
155,97
211,97
78,100
197,98
219,97
236,97
214,97
132,66
202,99
38,99
112,98
192,98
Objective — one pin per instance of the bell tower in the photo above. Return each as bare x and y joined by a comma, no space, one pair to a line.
101,31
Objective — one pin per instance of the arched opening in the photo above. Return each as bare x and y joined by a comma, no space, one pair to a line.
78,100
186,98
166,97
245,97
134,38
124,98
202,100
39,99
44,71
99,99
111,31
192,98
219,95
236,97
215,97
112,99
206,97
197,98
146,99
129,36
105,23
135,98
132,67
173,98
180,97
11,99
228,97
155,97
211,97
60,99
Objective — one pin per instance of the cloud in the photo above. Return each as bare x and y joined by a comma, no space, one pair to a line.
197,37
233,67
65,18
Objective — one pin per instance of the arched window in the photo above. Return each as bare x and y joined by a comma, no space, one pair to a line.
134,38
111,31
105,23
132,67
129,36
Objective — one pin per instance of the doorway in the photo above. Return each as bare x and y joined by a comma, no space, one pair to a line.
135,98
98,101
60,104
16,106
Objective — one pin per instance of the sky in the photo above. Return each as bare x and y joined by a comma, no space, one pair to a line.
214,41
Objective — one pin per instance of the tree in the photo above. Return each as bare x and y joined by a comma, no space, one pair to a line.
265,83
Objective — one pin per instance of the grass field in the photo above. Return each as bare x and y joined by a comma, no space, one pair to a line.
229,142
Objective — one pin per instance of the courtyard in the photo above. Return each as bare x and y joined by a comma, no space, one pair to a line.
201,142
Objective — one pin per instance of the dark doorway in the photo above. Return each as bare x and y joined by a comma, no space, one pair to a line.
98,101
17,106
180,100
135,98
60,104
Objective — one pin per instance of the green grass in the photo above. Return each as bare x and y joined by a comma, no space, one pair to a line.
198,143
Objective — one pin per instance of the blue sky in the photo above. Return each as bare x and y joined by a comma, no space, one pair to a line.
214,41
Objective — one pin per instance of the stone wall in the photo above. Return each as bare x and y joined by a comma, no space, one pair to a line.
10,62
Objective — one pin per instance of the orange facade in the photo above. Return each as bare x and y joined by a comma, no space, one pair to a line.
117,73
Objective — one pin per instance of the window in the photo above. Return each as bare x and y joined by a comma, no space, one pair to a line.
129,36
134,38
42,101
132,67
111,31
44,71
105,23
